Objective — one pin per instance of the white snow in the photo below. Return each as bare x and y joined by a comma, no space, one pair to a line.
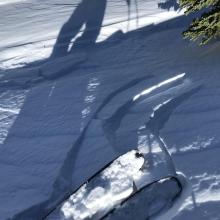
62,119
114,184
6,2
118,178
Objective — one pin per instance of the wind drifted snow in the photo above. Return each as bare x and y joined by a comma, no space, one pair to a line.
64,119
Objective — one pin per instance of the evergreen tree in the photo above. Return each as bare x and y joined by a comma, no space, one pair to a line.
207,26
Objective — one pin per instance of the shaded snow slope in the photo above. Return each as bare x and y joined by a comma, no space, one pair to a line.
63,120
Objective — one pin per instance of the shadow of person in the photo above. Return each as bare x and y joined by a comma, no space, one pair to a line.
89,13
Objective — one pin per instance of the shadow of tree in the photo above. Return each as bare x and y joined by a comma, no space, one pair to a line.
168,4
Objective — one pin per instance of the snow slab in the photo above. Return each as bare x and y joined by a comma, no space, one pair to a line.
63,119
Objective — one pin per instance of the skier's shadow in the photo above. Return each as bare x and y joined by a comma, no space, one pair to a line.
88,13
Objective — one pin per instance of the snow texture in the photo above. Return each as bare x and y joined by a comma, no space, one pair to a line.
79,89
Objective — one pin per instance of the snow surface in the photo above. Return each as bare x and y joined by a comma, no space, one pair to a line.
62,119
118,181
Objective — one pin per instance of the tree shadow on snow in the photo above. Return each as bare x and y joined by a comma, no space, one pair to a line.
168,4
